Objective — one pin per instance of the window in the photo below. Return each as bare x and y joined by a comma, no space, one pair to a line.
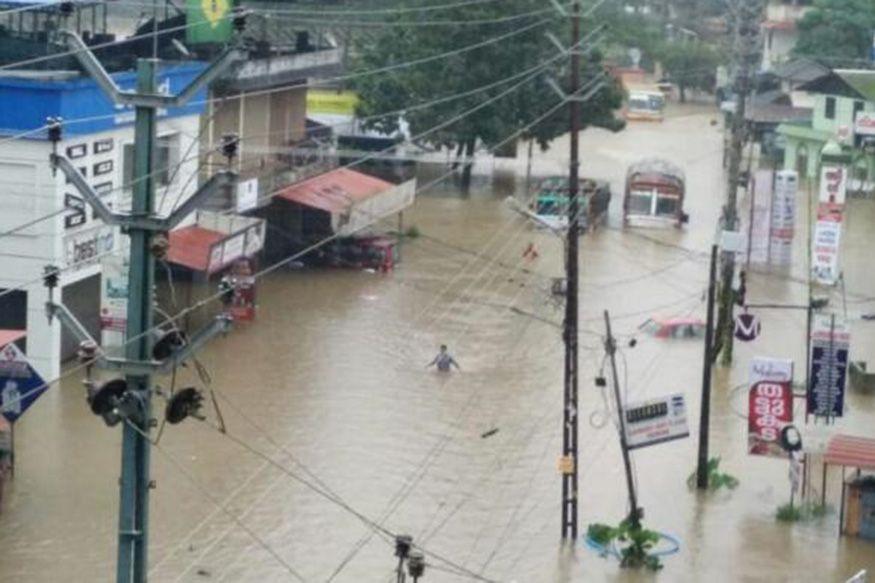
858,107
666,205
640,203
830,109
166,159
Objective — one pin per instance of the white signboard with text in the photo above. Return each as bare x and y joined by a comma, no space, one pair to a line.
656,420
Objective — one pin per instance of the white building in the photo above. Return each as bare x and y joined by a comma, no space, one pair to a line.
97,138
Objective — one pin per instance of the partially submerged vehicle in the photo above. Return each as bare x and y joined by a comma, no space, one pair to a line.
645,104
674,327
655,191
550,207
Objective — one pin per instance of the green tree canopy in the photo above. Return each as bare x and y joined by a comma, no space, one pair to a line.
690,65
838,31
468,70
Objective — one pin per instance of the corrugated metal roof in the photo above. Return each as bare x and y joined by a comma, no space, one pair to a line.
190,246
335,191
851,451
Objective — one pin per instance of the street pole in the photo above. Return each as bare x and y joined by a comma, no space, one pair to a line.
745,51
569,411
611,349
133,534
707,364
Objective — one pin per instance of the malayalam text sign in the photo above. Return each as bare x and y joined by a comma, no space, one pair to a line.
830,343
770,408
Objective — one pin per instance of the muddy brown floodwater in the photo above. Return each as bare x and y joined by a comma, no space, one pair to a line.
330,383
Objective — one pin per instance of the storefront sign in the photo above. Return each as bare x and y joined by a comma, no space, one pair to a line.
747,327
247,194
864,125
825,246
85,247
833,184
244,243
656,420
783,217
770,404
113,300
830,342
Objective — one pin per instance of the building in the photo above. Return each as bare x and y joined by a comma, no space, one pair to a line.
843,111
98,139
780,31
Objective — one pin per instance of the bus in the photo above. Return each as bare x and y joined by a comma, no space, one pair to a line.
645,105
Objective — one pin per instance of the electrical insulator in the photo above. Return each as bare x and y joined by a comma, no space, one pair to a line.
51,275
239,19
403,542
54,129
230,142
416,564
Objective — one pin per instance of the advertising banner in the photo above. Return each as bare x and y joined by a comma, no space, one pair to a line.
833,184
770,404
830,343
825,245
783,217
760,215
247,194
113,300
656,421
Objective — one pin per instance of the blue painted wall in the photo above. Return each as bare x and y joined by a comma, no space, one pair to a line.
25,104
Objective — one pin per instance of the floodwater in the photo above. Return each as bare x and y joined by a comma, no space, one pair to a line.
330,384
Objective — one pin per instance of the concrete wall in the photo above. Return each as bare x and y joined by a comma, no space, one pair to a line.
844,113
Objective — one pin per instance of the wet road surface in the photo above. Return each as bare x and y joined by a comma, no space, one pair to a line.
330,384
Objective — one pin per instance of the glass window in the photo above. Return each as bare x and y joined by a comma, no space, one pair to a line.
639,103
858,107
666,205
640,203
830,109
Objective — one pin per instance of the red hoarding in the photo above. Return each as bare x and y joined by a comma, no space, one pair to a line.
770,408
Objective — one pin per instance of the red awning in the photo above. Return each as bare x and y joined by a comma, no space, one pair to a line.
190,246
335,191
9,336
847,450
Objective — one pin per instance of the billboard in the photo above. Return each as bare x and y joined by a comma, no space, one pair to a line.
783,217
825,244
770,404
656,421
830,343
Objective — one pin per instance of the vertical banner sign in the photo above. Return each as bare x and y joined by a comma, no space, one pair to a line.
770,405
760,216
826,243
208,21
783,217
113,300
830,342
833,185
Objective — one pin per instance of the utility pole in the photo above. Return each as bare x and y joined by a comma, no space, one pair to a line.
611,349
707,364
746,54
569,411
131,400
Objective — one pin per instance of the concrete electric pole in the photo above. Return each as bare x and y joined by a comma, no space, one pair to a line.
130,400
746,53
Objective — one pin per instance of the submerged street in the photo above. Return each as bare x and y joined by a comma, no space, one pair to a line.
330,382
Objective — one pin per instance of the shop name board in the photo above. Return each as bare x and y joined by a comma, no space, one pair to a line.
244,243
833,184
84,248
656,421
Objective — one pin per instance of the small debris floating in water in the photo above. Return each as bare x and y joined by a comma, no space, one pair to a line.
489,433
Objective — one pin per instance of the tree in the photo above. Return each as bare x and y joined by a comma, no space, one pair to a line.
838,31
491,124
690,65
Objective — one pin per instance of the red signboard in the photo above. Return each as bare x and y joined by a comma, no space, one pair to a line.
770,408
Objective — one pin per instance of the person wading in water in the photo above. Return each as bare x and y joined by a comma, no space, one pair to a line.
444,361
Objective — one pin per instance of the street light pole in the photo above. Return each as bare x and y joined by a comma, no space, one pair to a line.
569,411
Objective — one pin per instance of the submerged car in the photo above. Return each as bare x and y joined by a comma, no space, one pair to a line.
674,327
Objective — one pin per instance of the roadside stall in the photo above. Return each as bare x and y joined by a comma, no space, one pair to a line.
857,509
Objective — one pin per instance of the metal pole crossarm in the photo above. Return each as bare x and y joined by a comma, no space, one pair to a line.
567,50
153,100
220,180
219,325
578,98
69,321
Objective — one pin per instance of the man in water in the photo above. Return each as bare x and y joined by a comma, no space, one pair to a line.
444,361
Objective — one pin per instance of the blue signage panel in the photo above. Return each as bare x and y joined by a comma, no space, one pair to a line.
26,103
829,366
20,385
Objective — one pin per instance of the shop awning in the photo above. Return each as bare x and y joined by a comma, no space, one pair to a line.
215,241
354,200
851,451
9,336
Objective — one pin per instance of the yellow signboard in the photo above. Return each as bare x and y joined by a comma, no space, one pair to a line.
334,102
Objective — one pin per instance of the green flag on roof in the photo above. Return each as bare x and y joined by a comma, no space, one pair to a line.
209,21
